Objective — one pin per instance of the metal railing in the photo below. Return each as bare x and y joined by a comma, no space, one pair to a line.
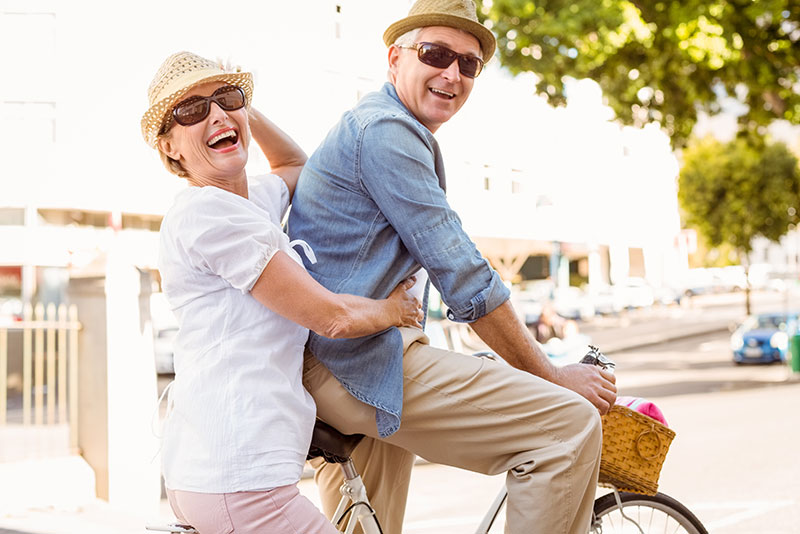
48,365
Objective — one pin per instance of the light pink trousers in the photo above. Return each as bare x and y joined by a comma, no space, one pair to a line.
277,511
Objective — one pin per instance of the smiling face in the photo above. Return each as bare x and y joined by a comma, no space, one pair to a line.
213,151
432,95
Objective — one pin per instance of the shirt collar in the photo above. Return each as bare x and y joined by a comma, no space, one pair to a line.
389,90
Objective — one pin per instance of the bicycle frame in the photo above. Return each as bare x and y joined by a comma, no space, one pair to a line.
493,511
354,499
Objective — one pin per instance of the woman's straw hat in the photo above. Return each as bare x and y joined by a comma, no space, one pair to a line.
458,14
176,76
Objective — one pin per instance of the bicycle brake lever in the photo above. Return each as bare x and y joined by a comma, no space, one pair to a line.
595,357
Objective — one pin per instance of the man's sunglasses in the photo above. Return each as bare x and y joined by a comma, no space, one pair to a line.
196,108
442,57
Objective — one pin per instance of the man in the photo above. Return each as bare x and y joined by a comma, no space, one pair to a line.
371,203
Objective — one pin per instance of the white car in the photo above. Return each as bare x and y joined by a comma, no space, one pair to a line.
163,341
636,293
165,328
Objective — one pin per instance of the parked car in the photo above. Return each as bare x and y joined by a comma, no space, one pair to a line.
698,281
572,303
10,309
764,338
635,292
165,329
607,300
163,346
731,278
667,295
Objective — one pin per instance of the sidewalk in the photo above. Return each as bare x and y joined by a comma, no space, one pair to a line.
629,330
700,315
641,328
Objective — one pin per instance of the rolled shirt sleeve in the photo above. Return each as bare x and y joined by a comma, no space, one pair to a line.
412,198
229,236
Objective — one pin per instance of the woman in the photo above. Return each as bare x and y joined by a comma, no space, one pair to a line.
240,421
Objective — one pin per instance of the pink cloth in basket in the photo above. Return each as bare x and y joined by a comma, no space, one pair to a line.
644,407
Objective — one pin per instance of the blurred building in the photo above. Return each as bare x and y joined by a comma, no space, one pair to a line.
563,193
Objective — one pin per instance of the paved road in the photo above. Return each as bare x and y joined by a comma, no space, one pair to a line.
701,314
734,460
735,457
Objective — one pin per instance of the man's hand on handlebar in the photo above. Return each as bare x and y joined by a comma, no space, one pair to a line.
594,383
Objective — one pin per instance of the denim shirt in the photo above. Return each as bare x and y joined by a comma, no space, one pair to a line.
371,203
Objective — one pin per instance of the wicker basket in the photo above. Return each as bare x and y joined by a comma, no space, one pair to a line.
634,448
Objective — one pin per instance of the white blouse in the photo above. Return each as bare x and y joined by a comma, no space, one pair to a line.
240,419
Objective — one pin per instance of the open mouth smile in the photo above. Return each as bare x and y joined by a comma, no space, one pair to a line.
223,140
442,93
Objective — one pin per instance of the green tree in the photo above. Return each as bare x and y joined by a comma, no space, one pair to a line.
659,61
734,192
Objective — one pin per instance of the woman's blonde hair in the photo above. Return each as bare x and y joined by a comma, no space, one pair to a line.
172,165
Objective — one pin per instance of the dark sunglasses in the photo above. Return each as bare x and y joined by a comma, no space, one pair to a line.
442,57
196,108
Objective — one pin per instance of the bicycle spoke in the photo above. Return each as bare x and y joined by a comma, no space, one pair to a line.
640,518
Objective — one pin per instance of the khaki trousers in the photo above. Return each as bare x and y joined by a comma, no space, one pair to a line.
476,414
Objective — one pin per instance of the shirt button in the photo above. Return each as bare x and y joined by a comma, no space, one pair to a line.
451,315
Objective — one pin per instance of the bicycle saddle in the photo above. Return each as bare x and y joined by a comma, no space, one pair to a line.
331,444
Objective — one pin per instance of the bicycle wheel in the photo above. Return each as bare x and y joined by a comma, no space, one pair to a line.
647,514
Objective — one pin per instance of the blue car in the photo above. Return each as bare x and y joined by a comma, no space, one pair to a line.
764,338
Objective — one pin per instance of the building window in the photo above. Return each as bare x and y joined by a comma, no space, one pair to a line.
10,285
131,221
35,122
57,217
337,23
12,216
28,90
487,183
34,71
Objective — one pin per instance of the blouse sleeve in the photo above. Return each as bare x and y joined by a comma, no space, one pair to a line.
229,236
271,193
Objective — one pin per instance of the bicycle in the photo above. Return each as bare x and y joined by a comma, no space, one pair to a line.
615,512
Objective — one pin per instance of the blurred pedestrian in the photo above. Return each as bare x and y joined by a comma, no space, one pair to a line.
551,325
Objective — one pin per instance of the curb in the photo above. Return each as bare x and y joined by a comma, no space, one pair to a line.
659,338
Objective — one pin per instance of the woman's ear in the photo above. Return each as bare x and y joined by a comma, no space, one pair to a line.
168,147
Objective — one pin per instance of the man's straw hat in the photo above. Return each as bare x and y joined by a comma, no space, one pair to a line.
176,76
459,14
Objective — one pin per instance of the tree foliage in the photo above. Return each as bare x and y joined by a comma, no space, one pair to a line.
659,61
734,192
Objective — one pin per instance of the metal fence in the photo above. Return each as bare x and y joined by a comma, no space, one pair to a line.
39,369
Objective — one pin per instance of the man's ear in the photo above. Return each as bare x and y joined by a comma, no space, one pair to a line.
394,58
168,147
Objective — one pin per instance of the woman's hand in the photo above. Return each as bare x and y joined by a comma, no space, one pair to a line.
404,305
286,288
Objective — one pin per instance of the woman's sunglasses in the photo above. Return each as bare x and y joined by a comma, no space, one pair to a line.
442,57
196,108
